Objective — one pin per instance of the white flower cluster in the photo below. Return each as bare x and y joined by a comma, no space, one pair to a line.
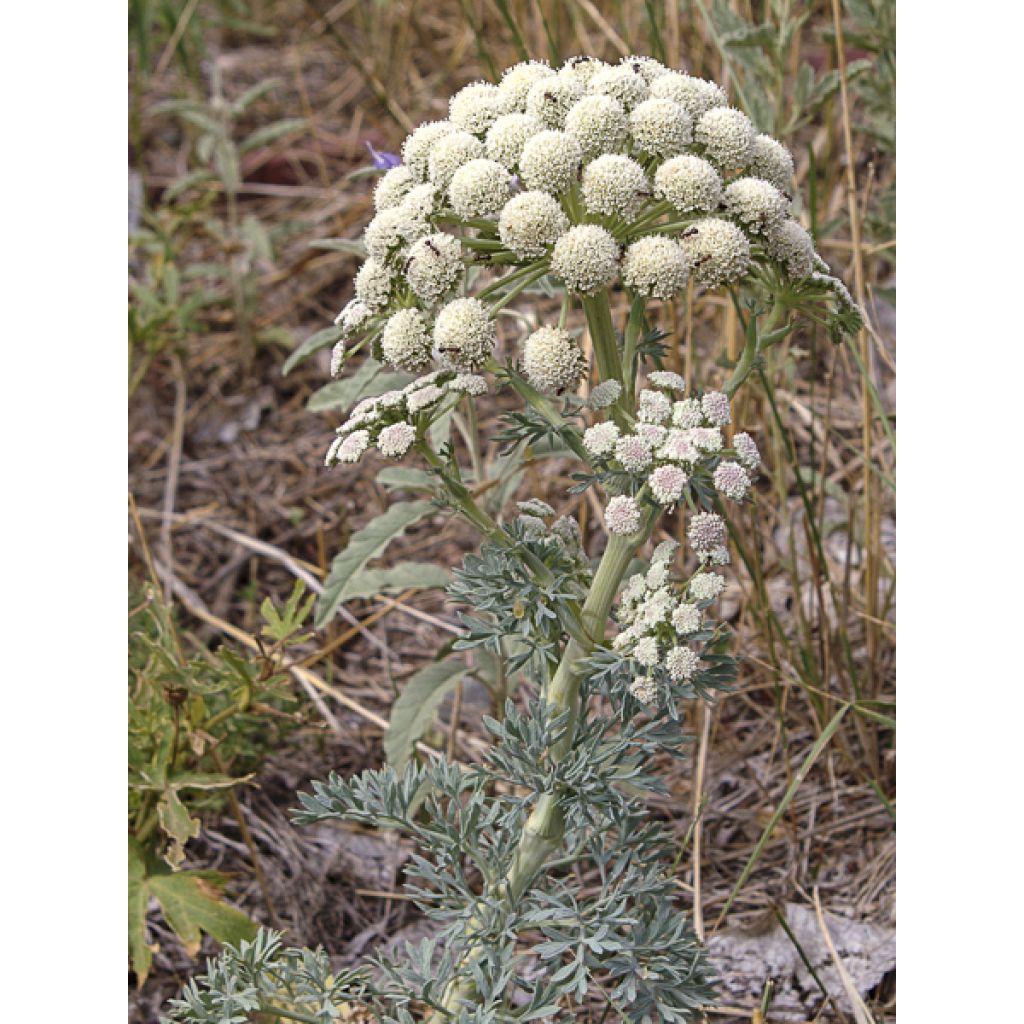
393,421
660,621
672,443
601,174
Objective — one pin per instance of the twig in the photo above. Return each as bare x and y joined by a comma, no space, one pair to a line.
860,1012
173,464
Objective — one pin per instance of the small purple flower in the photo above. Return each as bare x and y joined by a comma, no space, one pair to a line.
383,161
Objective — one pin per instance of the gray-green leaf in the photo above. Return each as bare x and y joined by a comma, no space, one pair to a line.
414,710
367,543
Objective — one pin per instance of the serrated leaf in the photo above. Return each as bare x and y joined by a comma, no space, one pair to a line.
367,543
315,342
414,710
370,582
190,905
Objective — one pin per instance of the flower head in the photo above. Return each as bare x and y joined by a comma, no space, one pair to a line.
599,124
660,127
392,186
614,186
666,379
695,95
645,651
706,531
686,619
644,689
394,441
623,83
517,81
653,406
549,161
633,452
605,394
746,450
449,153
687,413
585,258
706,586
727,136
508,135
718,251
666,484
434,267
793,247
479,189
772,161
417,147
391,229
622,515
681,664
715,406
689,184
655,265
600,439
583,68
757,204
530,223
352,446
476,107
373,284
405,341
731,479
550,99
552,361
464,334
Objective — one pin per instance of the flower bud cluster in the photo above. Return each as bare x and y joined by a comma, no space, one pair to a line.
661,624
673,444
393,421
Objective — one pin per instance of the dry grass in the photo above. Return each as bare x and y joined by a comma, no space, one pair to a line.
218,439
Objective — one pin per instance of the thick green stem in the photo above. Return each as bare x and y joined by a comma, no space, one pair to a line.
545,828
606,350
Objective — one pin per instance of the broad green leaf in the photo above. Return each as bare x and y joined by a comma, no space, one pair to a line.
367,543
368,379
177,823
189,902
349,245
315,342
139,954
370,582
272,132
414,710
404,478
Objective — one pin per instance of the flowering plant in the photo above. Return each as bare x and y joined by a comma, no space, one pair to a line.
574,183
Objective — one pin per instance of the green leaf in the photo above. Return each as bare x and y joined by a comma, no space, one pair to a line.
272,132
139,953
414,710
349,245
370,582
190,905
367,543
315,342
205,780
344,393
177,823
404,478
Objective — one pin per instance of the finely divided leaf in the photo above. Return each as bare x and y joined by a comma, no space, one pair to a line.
364,545
414,710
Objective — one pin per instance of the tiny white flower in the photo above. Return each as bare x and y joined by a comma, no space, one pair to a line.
476,107
689,183
549,161
666,484
392,186
715,406
757,204
731,480
480,188
682,664
655,265
434,267
695,95
646,652
614,186
405,341
464,334
687,413
644,689
666,379
531,223
718,251
706,586
550,99
746,450
416,148
449,153
653,406
686,619
773,162
660,128
605,394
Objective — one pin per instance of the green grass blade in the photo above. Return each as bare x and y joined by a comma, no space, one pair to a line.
798,779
